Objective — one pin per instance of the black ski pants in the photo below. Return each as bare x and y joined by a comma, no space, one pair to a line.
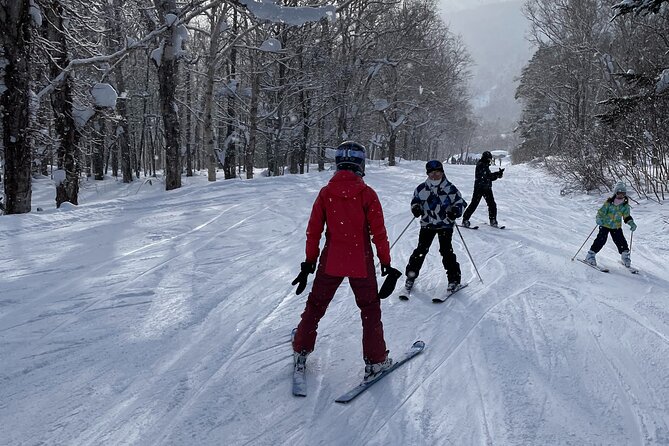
617,236
449,260
476,199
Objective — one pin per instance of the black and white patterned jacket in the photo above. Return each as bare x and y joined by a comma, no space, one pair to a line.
436,201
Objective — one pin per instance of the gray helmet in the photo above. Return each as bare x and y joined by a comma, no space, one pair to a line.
620,187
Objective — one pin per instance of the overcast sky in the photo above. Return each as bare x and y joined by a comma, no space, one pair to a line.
494,32
458,5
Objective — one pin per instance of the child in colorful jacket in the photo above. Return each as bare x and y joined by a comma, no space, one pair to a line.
609,218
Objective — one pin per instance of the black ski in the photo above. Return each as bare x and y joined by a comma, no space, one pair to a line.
299,374
405,294
415,349
438,300
597,267
468,227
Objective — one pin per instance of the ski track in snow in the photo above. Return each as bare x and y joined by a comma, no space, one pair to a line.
152,317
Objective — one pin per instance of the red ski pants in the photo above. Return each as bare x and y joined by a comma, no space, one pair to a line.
367,299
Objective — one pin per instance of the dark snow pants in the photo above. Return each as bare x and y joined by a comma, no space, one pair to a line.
449,260
367,299
617,236
476,199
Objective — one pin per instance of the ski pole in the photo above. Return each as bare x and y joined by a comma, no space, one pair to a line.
631,240
402,233
468,253
586,240
399,236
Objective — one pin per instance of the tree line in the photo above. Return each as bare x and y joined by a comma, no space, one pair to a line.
132,88
596,92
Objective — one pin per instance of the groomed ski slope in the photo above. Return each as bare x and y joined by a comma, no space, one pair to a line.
145,317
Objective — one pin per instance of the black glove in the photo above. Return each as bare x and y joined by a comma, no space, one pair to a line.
451,215
389,284
417,210
301,279
500,173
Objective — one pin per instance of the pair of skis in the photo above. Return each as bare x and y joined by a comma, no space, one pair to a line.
405,294
300,382
631,269
477,226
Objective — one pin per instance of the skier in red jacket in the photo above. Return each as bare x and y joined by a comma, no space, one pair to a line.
352,211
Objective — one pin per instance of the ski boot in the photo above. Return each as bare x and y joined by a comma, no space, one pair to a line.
466,223
625,257
373,370
493,223
590,258
300,360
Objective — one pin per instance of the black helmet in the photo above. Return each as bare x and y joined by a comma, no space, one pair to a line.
350,155
433,165
486,155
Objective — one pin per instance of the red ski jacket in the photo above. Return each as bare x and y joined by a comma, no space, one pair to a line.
352,212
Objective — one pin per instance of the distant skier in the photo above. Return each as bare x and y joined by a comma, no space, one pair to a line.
483,189
610,216
352,211
438,203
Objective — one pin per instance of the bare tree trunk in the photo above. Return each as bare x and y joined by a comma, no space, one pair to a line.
321,149
167,74
122,131
253,121
208,97
17,40
143,144
97,162
304,141
392,148
231,147
168,70
61,102
305,101
115,23
189,125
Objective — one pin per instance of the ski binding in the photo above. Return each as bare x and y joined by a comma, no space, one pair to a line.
299,374
415,349
439,300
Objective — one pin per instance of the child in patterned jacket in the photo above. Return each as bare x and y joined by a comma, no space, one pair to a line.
610,216
438,203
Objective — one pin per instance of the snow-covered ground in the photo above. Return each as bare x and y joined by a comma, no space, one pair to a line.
145,317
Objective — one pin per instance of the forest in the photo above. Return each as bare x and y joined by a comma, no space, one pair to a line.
135,88
596,93
166,88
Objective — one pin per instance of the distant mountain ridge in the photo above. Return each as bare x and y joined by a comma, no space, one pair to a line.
495,36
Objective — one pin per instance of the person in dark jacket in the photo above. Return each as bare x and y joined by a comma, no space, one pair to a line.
438,203
483,189
351,210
